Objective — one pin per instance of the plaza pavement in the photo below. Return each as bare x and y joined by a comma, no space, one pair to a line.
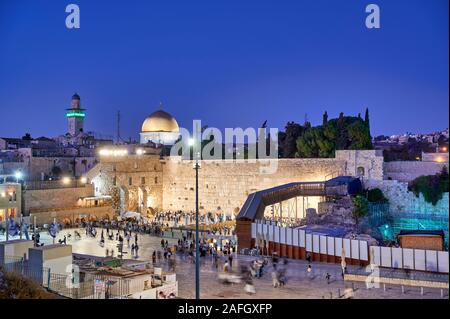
300,284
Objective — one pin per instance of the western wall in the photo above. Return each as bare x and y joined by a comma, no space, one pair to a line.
138,182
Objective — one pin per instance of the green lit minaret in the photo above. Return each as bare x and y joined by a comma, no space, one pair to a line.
75,116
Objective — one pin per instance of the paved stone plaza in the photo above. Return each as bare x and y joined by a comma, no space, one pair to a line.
300,285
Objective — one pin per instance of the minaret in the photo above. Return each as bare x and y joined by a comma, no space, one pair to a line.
75,116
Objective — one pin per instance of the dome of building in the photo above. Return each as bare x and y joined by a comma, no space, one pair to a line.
160,121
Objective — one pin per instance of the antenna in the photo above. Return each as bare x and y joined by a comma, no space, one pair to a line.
118,127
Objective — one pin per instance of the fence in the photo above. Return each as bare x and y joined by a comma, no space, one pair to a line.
293,241
65,285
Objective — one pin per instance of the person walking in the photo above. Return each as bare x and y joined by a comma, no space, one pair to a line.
230,260
226,267
328,276
275,281
309,271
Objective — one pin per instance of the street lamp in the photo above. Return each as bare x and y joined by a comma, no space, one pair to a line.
18,175
197,236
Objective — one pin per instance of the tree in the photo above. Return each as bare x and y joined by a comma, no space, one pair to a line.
366,117
431,187
360,207
292,132
376,195
359,136
325,118
344,133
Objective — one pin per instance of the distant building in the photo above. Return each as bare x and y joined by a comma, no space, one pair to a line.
160,128
43,158
10,198
75,115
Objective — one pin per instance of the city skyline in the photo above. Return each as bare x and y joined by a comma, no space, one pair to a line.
272,62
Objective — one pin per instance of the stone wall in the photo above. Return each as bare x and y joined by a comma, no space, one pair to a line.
225,185
405,171
402,200
56,198
169,183
39,166
133,178
46,217
367,164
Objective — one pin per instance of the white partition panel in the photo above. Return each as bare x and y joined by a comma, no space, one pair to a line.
316,243
260,228
408,258
386,257
363,250
323,245
347,247
295,237
276,234
309,242
431,260
271,235
338,246
302,238
355,248
397,258
283,235
419,259
443,261
330,245
253,230
376,254
289,236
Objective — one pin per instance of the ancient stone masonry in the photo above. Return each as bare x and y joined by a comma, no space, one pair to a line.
225,185
134,182
138,182
402,200
406,171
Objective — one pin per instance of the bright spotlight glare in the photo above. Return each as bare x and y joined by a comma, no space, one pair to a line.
18,175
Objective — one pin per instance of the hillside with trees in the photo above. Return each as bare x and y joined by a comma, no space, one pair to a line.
342,133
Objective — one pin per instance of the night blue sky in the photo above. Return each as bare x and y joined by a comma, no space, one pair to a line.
230,63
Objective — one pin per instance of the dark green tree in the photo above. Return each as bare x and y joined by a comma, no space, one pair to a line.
359,136
293,131
360,207
325,118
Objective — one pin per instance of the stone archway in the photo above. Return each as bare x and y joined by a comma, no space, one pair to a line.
124,199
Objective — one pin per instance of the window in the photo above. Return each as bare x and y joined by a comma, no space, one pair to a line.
143,180
115,181
156,180
130,181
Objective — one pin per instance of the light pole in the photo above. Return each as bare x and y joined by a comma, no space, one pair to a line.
197,235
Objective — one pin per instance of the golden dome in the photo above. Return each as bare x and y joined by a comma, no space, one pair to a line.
160,121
